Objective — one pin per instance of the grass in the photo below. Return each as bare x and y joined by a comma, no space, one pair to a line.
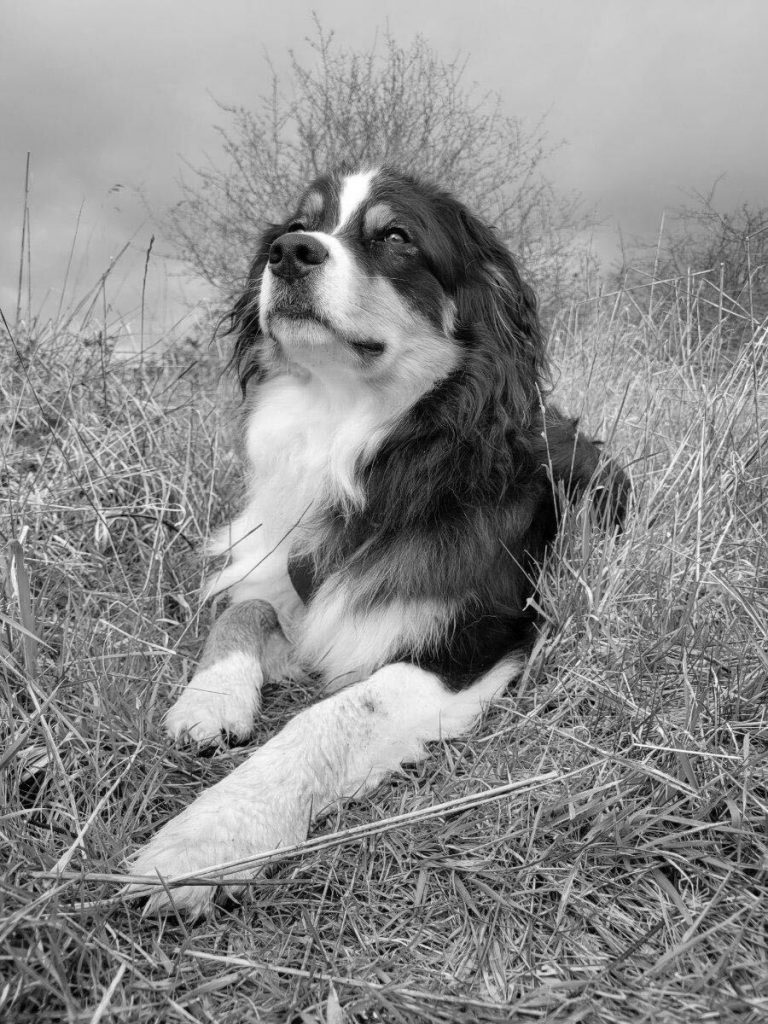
603,853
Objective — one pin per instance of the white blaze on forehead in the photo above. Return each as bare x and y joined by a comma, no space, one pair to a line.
354,192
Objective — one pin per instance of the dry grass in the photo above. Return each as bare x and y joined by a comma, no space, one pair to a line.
605,857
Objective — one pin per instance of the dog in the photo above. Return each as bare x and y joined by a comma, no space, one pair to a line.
404,480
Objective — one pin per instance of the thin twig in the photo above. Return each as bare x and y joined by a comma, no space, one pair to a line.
24,222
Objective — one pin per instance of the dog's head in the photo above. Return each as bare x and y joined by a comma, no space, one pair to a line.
390,279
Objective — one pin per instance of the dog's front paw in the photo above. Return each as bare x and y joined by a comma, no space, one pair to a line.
262,806
215,829
166,857
221,699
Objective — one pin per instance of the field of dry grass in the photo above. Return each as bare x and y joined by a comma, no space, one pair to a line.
603,853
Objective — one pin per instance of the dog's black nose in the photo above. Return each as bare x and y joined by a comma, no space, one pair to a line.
295,254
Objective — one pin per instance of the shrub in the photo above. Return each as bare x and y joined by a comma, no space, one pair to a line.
706,277
402,105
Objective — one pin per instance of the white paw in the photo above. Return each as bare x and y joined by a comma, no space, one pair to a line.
260,807
165,859
221,699
211,831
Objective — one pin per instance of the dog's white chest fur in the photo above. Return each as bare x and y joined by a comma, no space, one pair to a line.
303,441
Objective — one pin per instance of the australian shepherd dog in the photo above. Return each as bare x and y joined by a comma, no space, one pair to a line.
404,477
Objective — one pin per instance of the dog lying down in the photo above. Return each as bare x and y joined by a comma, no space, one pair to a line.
403,483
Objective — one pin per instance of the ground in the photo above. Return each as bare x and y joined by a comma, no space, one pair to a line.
602,854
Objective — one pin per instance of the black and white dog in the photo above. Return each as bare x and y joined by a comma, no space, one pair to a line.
403,483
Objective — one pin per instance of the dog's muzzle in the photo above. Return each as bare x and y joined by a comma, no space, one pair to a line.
295,255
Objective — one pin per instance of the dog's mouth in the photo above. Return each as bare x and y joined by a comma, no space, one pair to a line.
296,315
301,325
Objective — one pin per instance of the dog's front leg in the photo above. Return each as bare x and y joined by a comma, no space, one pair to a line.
245,645
342,746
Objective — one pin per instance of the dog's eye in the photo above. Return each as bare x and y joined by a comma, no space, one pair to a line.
396,235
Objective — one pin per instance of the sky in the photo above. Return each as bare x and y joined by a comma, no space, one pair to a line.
653,100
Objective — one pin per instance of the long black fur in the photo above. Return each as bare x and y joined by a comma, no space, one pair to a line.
461,498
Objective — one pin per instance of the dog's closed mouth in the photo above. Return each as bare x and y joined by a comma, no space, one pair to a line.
296,313
297,321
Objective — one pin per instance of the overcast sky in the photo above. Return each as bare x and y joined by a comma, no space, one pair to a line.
654,98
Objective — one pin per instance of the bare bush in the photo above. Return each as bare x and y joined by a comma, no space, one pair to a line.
401,105
707,271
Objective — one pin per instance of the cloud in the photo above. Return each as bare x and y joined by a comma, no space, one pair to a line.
652,97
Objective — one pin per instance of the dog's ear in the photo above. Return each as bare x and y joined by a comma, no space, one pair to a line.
492,300
247,360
